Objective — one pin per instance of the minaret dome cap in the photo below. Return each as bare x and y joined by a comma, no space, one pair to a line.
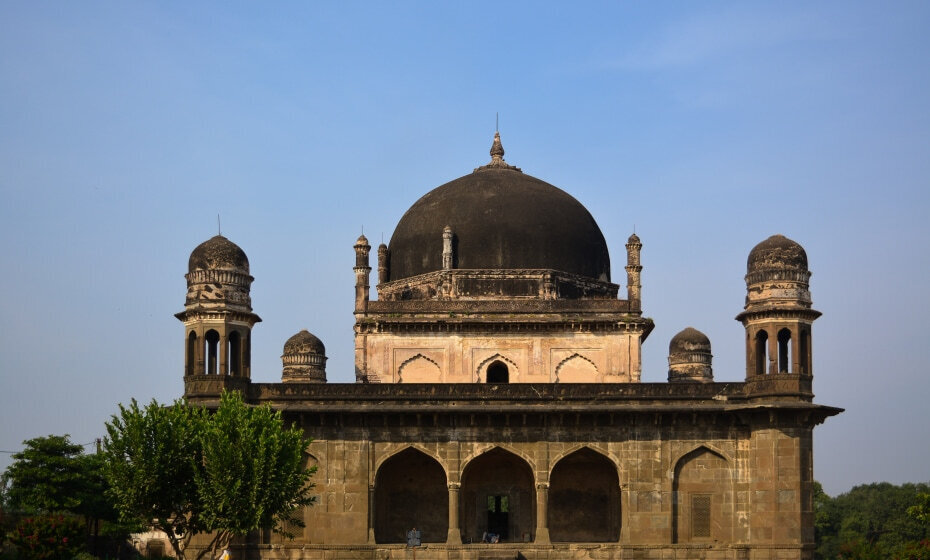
777,253
218,253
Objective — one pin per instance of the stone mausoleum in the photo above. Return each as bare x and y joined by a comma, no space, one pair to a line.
498,394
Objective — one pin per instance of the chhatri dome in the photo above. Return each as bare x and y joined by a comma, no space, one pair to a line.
777,253
500,218
218,253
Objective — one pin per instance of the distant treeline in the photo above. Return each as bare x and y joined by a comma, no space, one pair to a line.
873,521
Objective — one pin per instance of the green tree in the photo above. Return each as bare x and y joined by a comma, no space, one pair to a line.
253,475
921,510
190,472
52,476
45,477
878,520
150,456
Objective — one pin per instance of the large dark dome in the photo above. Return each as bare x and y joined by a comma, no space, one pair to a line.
500,219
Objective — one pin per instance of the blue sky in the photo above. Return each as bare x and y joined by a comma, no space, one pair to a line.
125,128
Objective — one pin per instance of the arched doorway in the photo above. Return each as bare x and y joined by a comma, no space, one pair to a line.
702,502
498,372
411,491
584,499
497,497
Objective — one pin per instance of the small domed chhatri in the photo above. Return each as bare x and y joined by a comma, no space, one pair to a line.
217,314
304,359
304,342
689,340
777,252
689,357
218,253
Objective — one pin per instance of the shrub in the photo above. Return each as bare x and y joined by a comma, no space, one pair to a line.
48,537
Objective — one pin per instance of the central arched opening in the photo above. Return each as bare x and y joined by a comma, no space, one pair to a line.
584,499
498,372
784,351
411,491
212,341
497,498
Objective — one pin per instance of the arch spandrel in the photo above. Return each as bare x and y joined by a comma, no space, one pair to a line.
597,448
392,452
483,449
693,450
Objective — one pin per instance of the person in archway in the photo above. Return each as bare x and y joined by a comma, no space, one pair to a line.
414,538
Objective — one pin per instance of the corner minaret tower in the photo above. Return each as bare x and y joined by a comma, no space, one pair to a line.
778,314
217,316
362,273
633,271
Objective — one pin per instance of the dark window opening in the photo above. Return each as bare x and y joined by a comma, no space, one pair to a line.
212,340
784,351
498,516
191,354
498,373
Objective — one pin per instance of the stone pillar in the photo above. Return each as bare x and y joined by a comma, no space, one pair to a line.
200,361
542,513
455,531
447,248
224,353
772,366
371,514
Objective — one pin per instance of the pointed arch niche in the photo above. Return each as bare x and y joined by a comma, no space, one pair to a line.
576,369
702,502
419,369
411,491
497,496
584,499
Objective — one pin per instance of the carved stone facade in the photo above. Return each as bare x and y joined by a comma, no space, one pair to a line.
498,406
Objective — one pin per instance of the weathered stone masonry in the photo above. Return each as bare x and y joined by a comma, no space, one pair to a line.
498,394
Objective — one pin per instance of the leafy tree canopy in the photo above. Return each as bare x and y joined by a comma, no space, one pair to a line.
190,471
48,475
879,520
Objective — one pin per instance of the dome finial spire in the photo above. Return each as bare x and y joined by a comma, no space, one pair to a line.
497,156
497,150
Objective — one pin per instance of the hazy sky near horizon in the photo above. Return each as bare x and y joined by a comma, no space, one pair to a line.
126,127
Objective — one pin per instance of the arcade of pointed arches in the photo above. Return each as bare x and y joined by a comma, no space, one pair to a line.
218,352
496,493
